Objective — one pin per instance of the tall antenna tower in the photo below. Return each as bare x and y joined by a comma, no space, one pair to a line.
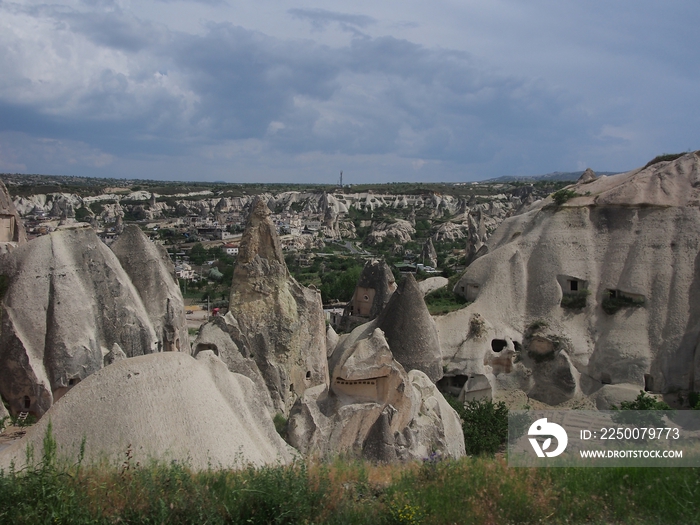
341,179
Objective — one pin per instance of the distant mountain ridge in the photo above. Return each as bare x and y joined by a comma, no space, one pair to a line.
554,176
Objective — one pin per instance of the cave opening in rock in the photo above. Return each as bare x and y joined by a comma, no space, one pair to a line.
498,345
648,383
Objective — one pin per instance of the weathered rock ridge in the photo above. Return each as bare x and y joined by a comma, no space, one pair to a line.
70,309
602,291
153,274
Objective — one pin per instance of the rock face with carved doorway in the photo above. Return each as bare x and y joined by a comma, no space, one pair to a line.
372,293
373,408
593,287
12,232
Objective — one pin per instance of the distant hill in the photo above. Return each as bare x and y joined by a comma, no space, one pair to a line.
555,176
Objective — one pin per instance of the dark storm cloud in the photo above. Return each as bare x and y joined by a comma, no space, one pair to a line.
148,90
374,96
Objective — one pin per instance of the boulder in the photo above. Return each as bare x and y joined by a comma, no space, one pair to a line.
411,331
587,176
273,318
167,407
68,302
153,274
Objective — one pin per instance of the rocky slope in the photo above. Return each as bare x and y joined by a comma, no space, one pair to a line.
595,297
167,407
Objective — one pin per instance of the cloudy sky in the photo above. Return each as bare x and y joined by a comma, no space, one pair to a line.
297,90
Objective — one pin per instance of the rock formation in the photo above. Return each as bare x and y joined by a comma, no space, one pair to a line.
272,318
153,274
373,409
598,296
410,330
68,302
587,176
428,254
372,293
431,284
168,407
398,230
214,337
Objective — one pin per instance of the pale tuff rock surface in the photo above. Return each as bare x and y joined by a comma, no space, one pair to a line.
165,406
273,318
587,176
12,232
372,293
431,284
153,274
3,410
68,303
428,254
214,337
399,231
373,408
411,331
637,234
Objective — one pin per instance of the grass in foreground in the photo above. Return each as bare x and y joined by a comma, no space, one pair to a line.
470,491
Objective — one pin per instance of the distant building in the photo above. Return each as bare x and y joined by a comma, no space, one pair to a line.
231,249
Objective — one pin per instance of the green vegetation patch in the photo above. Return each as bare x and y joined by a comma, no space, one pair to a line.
612,305
444,301
563,195
666,157
575,300
476,490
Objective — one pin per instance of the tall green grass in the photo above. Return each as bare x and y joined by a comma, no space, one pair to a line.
469,491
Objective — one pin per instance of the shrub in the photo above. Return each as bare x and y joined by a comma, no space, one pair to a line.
484,424
611,305
561,196
694,400
575,300
664,158
444,300
645,403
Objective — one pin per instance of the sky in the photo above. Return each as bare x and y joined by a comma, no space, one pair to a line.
296,91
